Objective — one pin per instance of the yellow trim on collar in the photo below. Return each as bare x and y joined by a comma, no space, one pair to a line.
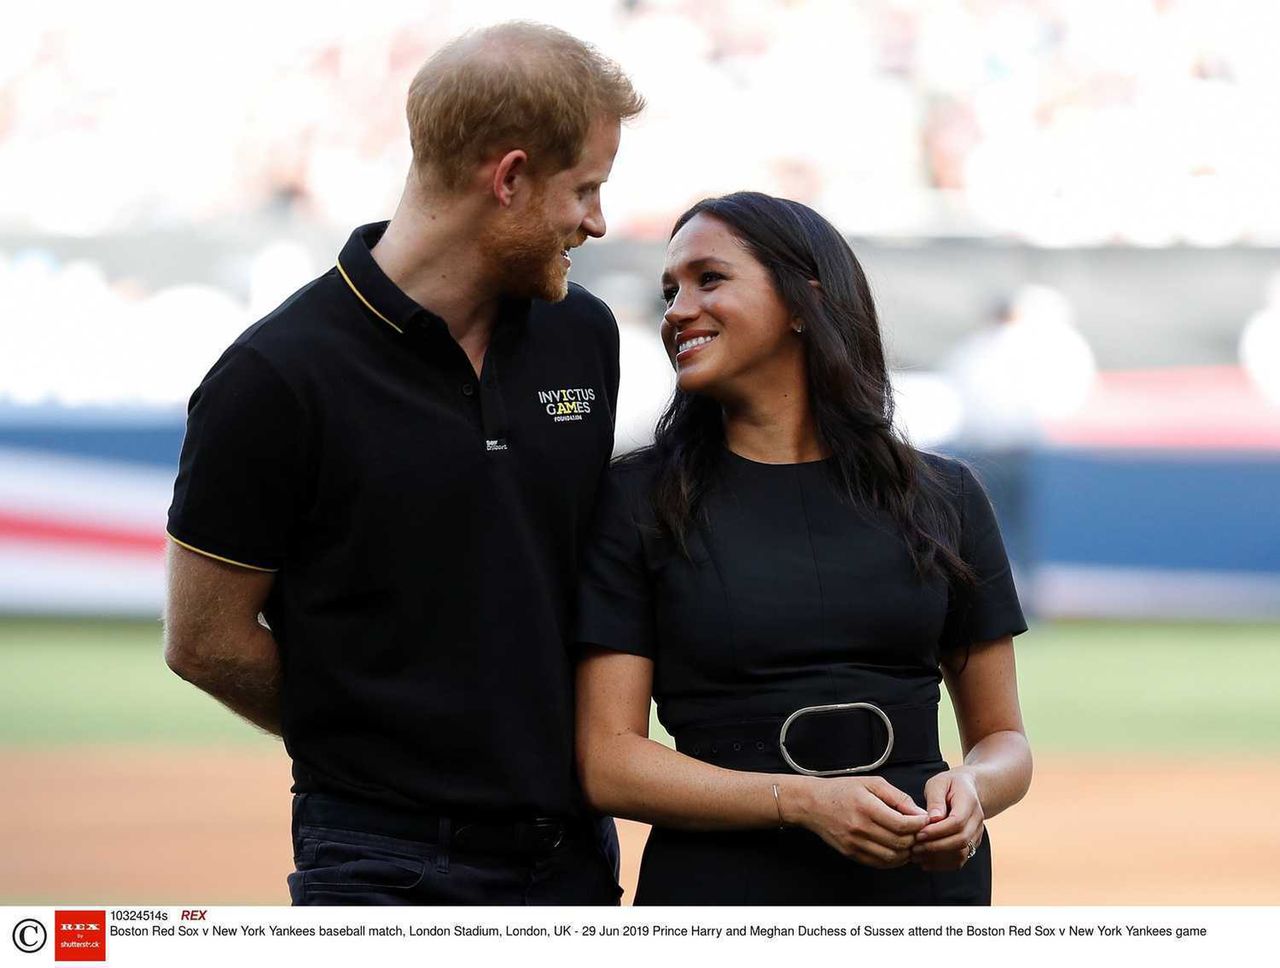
360,296
210,554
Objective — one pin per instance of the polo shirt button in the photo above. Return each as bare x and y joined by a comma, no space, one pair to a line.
760,745
737,747
468,389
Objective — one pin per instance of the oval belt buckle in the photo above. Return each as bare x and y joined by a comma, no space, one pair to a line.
809,710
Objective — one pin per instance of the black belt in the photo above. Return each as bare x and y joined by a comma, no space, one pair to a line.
822,740
534,835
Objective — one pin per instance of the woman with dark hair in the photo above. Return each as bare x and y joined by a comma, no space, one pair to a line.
791,580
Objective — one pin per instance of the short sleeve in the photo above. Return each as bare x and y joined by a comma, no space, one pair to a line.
615,601
613,363
989,610
239,482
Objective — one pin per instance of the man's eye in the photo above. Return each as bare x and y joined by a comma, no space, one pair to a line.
668,296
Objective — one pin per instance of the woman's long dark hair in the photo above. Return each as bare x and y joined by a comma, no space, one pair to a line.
848,388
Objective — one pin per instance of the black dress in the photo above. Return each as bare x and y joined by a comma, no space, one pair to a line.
793,598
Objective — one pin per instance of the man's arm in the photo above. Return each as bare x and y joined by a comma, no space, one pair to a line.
212,637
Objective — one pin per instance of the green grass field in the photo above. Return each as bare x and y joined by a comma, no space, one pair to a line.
1085,687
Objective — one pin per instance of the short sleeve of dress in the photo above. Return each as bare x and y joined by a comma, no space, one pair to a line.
989,610
238,491
615,601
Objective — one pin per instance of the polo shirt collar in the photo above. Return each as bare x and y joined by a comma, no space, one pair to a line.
385,299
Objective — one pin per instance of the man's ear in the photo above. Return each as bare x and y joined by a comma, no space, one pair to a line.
511,170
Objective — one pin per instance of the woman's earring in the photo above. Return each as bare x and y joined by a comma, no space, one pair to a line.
797,330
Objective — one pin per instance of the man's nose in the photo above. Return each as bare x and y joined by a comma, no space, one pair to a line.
593,224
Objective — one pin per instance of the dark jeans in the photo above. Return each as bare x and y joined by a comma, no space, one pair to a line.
339,865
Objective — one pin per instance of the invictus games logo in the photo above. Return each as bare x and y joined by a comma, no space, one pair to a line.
571,403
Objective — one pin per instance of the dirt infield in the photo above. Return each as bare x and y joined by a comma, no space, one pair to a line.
120,826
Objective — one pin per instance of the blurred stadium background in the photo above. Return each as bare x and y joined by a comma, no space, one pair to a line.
1068,215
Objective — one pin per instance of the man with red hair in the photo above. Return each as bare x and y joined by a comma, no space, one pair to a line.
393,470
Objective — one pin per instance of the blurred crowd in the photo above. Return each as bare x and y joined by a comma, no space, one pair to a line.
1148,122
74,336
1053,122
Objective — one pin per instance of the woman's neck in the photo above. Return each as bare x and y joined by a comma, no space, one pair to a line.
776,429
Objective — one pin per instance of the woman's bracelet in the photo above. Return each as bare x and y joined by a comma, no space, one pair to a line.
777,802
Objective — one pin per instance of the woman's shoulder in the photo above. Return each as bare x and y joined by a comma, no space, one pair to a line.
949,475
954,479
959,485
628,481
636,468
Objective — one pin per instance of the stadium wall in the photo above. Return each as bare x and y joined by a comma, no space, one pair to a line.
1143,533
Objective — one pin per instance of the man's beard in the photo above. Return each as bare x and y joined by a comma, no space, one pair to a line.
525,258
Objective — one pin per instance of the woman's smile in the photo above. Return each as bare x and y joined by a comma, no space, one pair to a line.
689,342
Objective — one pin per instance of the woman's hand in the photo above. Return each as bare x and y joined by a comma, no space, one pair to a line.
954,822
867,819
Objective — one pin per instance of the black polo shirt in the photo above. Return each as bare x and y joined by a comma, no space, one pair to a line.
424,527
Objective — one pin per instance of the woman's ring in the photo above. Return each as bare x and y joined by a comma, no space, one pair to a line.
973,849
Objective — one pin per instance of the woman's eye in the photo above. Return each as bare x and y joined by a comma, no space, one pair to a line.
704,279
